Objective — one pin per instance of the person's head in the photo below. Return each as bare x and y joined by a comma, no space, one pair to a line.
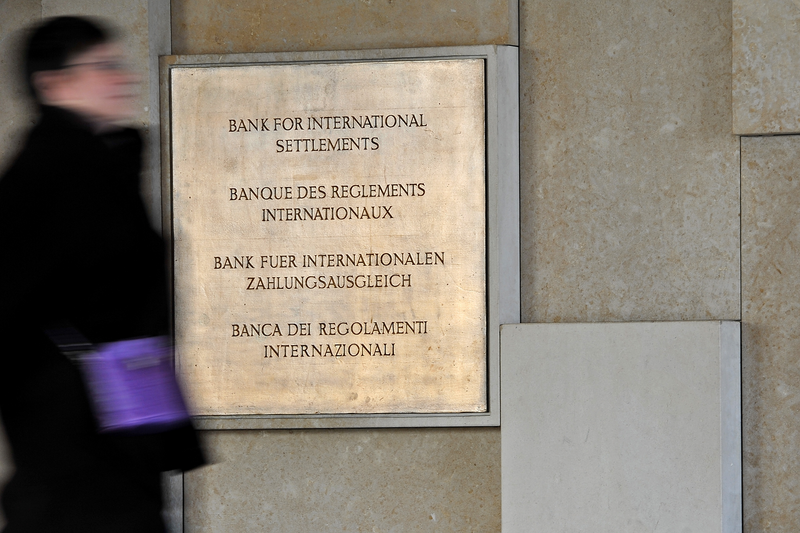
74,63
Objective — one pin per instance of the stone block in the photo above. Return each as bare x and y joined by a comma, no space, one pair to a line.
394,481
621,427
629,190
771,332
213,27
766,67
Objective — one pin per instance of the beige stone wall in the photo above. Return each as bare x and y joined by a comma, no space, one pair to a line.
766,99
771,333
766,66
629,174
630,196
393,480
211,27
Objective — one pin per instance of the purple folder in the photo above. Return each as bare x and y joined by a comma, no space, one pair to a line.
133,387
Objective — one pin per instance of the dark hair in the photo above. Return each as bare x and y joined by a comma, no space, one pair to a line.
56,41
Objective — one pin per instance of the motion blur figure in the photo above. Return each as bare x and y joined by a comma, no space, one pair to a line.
76,249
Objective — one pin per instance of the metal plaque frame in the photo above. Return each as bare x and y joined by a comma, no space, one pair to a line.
502,277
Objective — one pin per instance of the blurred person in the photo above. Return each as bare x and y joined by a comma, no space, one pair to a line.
76,249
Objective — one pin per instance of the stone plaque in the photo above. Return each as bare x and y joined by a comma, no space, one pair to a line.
329,229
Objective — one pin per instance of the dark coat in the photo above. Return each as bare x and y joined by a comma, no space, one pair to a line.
76,247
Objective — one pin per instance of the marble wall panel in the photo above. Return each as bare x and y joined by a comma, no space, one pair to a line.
771,336
391,481
766,66
210,26
623,427
629,173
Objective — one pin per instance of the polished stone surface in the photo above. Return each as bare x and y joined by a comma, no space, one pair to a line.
394,480
629,189
621,427
766,66
771,338
210,26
